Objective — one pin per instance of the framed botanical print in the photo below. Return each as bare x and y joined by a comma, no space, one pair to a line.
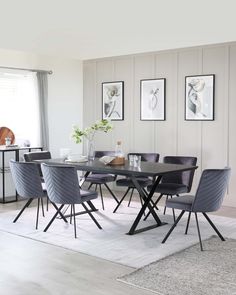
199,97
152,93
113,100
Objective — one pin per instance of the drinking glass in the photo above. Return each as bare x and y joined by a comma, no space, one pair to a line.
131,160
137,161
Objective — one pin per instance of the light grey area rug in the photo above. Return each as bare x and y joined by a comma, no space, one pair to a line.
112,243
190,271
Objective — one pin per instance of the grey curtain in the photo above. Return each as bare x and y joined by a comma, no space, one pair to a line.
42,79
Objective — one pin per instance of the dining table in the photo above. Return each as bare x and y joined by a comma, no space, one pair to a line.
146,169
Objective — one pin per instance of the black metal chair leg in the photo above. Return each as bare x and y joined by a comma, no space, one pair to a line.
42,207
90,185
213,226
173,226
54,217
158,199
111,192
96,187
173,211
198,230
118,205
37,216
93,208
91,215
100,187
131,195
47,203
167,196
23,209
186,230
74,220
71,213
60,213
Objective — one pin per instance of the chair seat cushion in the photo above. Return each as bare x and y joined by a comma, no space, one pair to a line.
170,188
143,181
88,195
100,178
182,203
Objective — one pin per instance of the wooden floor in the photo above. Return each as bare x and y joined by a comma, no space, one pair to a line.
29,267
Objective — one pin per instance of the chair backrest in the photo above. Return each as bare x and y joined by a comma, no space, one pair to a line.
29,157
62,183
99,154
26,179
41,155
147,157
185,177
211,190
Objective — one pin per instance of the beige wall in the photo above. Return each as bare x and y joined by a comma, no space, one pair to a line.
213,142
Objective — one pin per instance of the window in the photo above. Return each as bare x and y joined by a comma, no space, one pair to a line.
19,106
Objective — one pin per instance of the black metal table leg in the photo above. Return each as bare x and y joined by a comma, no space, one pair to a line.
84,177
145,205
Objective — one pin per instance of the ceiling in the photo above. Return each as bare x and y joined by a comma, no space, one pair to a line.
86,29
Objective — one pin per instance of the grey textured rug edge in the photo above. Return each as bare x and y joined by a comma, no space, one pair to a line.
172,283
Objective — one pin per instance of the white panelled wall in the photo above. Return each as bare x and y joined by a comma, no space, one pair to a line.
213,142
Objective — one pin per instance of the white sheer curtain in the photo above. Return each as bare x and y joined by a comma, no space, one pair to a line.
42,79
19,105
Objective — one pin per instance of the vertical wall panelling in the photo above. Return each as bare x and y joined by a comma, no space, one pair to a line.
189,132
231,199
123,71
214,133
104,73
166,131
143,130
212,142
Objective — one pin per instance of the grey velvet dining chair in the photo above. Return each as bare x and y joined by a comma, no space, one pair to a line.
143,181
63,188
99,179
175,183
27,181
209,197
39,155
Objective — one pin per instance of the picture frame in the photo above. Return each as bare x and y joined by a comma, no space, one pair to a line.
199,97
113,100
152,99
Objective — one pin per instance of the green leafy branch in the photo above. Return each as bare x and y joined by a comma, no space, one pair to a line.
89,132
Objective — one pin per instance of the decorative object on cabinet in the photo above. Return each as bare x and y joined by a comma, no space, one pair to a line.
5,132
199,97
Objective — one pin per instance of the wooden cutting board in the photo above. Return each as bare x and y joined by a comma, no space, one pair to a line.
6,132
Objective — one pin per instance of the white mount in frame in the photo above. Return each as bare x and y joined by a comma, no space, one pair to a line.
113,100
152,94
199,97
